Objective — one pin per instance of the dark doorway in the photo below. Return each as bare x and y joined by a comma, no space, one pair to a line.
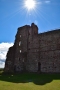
24,61
39,66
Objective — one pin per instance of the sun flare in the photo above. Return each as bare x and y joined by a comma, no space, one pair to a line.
30,4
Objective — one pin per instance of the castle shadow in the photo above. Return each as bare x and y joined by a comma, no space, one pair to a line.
38,79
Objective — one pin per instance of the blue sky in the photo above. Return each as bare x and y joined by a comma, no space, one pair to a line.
13,15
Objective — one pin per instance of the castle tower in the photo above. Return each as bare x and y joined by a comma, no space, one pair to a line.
21,43
24,43
22,50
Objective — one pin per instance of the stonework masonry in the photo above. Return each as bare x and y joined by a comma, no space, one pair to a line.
33,52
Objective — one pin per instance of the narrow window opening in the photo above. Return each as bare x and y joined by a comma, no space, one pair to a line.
20,35
20,43
29,48
29,33
20,51
23,59
39,66
19,59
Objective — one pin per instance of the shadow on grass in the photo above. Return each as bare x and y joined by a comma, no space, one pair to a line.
38,79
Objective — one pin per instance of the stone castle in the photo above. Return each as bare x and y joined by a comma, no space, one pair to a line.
33,52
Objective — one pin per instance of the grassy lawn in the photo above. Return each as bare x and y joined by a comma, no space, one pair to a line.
29,81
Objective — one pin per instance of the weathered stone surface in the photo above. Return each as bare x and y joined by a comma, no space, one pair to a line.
34,52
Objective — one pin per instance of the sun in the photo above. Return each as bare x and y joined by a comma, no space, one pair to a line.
30,4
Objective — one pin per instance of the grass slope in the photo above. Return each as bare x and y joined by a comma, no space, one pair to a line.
29,81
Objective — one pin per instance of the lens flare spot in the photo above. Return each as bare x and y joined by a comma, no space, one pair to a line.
30,4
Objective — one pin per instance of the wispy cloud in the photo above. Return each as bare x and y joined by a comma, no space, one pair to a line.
3,51
47,1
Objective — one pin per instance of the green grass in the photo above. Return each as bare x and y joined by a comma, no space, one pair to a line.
29,81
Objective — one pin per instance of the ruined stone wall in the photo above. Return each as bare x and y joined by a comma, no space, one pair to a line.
10,57
50,51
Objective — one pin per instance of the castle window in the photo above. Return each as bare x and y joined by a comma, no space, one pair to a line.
29,48
20,51
20,43
19,59
23,59
20,35
29,33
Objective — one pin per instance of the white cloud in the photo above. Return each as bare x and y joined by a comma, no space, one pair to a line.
47,1
2,64
3,51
